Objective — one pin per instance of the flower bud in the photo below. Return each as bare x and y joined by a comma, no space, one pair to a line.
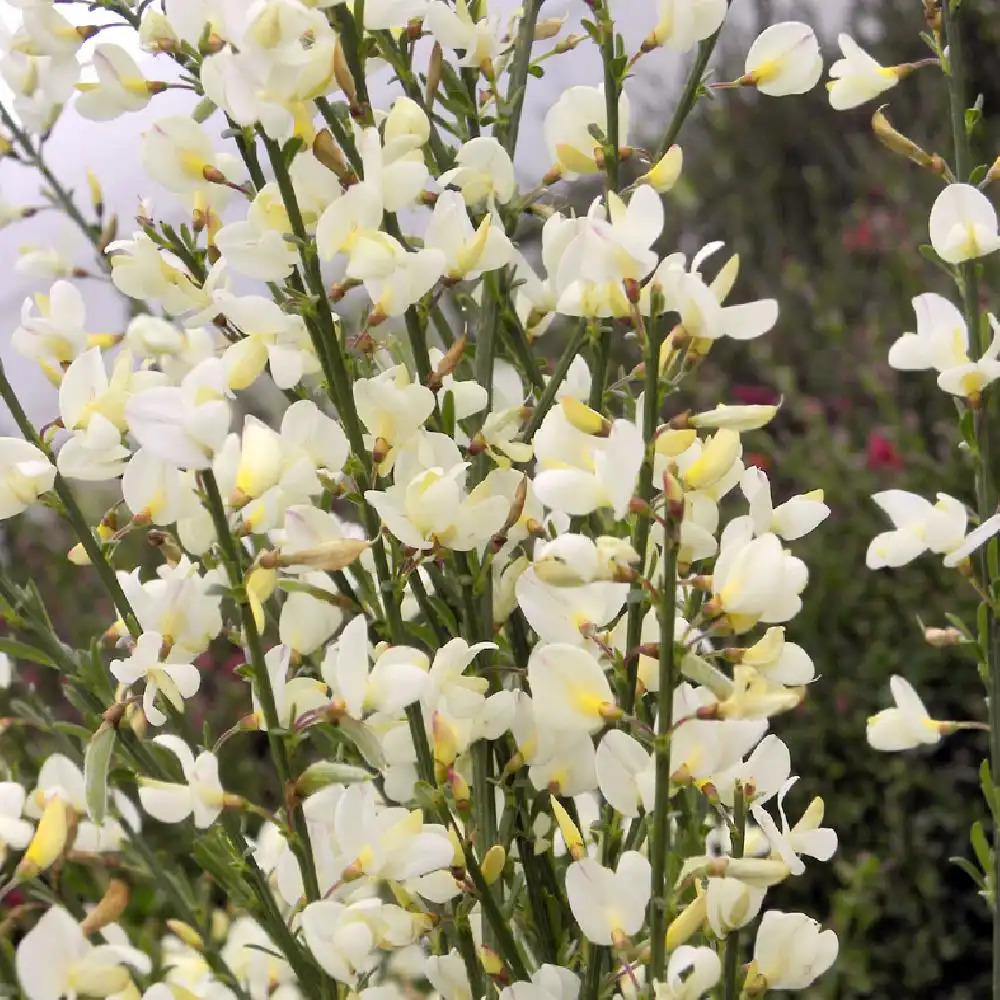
326,150
492,864
716,459
664,174
435,70
687,922
491,962
737,418
324,773
569,830
342,74
50,839
330,556
940,637
899,143
583,418
109,909
186,933
445,741
548,27
460,790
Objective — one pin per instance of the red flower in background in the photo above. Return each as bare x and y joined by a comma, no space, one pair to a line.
881,453
758,460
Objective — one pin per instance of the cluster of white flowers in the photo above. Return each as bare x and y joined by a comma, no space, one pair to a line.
514,638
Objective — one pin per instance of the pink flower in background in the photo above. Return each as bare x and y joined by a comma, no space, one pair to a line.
881,453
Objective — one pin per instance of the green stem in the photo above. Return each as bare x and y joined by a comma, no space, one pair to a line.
732,957
691,92
599,375
640,532
62,196
73,513
300,843
661,833
548,397
985,499
323,331
518,77
612,154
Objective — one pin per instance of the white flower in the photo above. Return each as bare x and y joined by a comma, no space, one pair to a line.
25,474
176,681
483,172
200,795
904,726
691,972
609,905
186,424
784,59
963,224
569,688
857,77
54,959
15,832
120,86
567,128
682,23
791,951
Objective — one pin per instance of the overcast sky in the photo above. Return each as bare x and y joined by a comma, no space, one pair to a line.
111,150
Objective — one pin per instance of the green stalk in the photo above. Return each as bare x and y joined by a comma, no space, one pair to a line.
732,957
660,844
518,77
548,397
640,532
323,331
691,92
61,195
985,499
279,754
73,513
612,159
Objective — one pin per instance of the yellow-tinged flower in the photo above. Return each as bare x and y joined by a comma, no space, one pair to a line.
569,830
50,839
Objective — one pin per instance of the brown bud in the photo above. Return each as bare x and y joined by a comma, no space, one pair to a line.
326,150
109,909
434,72
342,74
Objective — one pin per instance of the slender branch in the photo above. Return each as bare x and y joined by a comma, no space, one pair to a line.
300,842
548,397
662,831
518,76
74,515
691,92
985,500
62,196
612,160
640,532
732,957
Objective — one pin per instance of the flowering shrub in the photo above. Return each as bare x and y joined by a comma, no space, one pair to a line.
513,636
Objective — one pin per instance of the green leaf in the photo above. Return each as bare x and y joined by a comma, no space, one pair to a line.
96,764
448,413
22,651
365,740
203,110
984,853
970,869
988,788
